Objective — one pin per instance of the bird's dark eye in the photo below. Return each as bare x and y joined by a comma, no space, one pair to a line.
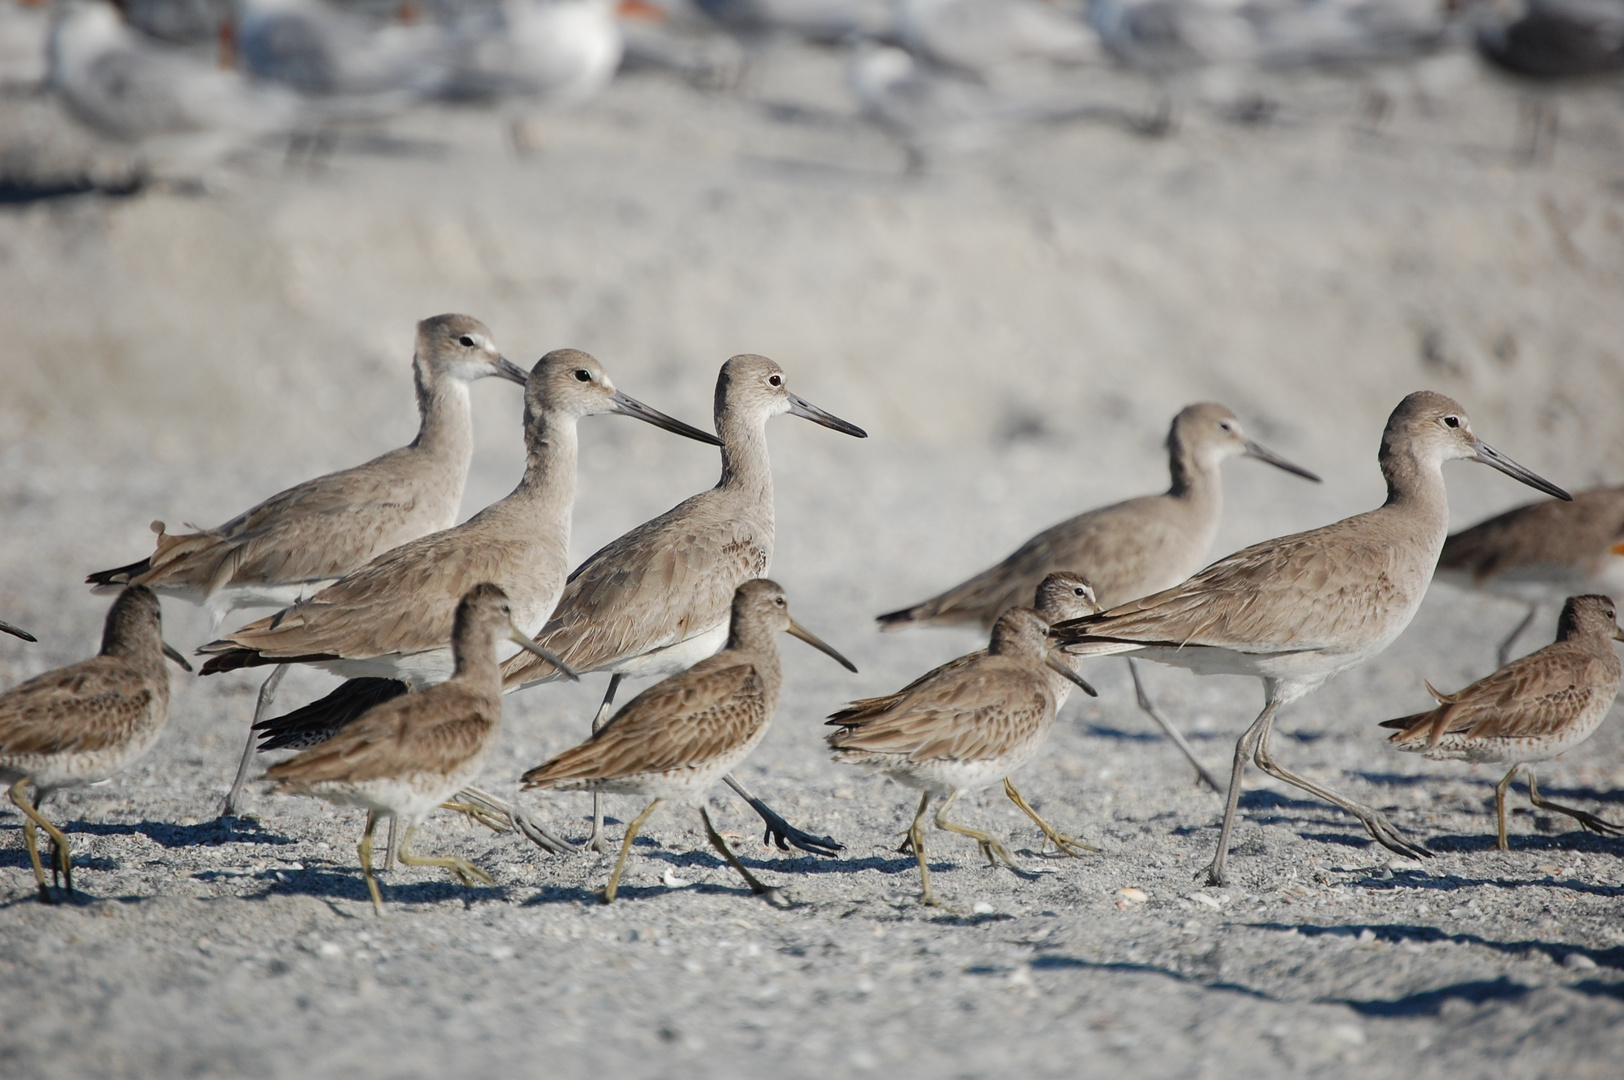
1080,592
779,601
775,380
1451,421
466,342
583,375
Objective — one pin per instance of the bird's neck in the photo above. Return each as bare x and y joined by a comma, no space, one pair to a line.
476,664
745,465
446,428
1196,483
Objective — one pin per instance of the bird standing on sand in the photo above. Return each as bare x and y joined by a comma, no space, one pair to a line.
1532,710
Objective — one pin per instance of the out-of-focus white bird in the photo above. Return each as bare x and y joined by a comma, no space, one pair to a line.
977,34
319,49
556,50
183,22
824,21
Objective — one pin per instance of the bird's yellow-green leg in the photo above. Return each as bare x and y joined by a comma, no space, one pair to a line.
1588,821
1067,845
31,838
1500,806
719,844
465,870
613,885
916,840
62,860
990,847
365,848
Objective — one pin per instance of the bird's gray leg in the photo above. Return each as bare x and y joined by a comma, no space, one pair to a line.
1588,821
1503,657
1245,746
780,831
267,694
498,814
1169,730
596,842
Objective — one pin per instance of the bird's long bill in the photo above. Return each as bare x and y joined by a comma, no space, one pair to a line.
524,641
16,631
1493,458
799,406
627,405
797,630
1059,666
174,654
1263,453
512,372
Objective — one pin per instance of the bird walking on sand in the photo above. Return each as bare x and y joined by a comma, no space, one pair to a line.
85,722
966,725
678,737
1531,710
1298,609
16,631
1541,553
658,599
392,618
409,755
1126,550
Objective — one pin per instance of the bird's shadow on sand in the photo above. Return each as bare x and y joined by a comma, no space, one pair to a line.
169,835
338,884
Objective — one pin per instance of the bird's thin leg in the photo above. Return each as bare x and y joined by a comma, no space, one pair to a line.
60,862
916,836
1500,805
596,841
1588,821
1244,748
499,815
390,843
990,847
755,883
365,847
31,838
469,874
780,831
1169,730
267,694
1375,823
1503,656
613,885
1067,845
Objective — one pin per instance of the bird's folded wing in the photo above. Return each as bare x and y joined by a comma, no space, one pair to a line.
85,707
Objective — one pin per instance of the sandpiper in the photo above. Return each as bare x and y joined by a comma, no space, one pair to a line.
1126,550
1531,710
678,737
16,631
1541,553
85,722
657,600
1298,609
392,618
965,726
407,756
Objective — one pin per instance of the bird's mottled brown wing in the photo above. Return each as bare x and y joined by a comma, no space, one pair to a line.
84,707
1536,696
1574,535
688,719
863,708
976,713
436,730
665,581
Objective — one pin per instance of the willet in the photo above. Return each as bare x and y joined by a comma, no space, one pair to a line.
678,737
1541,553
1125,550
657,600
1296,610
392,618
305,538
407,756
85,722
1551,42
16,631
964,726
1532,710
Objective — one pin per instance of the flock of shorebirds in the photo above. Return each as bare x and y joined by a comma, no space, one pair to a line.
432,624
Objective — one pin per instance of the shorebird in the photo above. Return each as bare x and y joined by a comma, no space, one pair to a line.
85,722
1541,553
1126,550
1296,610
1532,710
16,631
392,618
320,49
1551,42
305,538
657,600
408,756
678,737
966,725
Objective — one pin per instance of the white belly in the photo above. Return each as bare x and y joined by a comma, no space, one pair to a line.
673,659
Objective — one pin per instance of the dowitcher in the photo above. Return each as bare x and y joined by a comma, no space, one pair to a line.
409,755
1296,610
964,726
85,722
657,600
1126,550
1542,553
681,735
392,618
1531,710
